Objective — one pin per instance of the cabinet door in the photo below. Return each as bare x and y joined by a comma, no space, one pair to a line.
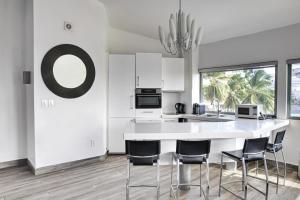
173,74
121,86
116,128
148,70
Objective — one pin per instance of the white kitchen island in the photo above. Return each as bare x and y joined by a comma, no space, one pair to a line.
225,136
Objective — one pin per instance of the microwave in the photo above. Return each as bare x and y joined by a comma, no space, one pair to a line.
250,111
147,98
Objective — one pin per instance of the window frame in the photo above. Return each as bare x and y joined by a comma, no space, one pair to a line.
289,86
243,67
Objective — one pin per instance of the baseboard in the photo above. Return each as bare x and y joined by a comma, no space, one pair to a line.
13,163
64,166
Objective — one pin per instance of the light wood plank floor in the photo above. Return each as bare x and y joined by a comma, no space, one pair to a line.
106,181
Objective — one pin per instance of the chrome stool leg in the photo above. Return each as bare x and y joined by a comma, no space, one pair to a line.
200,181
128,180
157,179
207,179
221,171
284,166
178,180
277,169
244,178
267,178
171,176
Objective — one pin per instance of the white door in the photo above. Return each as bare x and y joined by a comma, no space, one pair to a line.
173,74
116,128
121,86
148,70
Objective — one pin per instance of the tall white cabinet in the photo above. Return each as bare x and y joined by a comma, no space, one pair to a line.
173,74
148,70
121,99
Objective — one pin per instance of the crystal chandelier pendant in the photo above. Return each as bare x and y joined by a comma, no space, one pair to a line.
182,36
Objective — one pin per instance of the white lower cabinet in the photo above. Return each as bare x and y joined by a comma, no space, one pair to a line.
116,128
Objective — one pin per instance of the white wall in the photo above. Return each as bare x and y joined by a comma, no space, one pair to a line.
274,45
64,132
12,100
123,42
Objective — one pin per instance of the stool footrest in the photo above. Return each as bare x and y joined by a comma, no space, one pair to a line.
191,185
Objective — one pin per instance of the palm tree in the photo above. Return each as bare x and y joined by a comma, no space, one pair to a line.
236,92
259,89
217,87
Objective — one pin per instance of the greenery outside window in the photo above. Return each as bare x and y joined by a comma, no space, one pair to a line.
243,84
294,89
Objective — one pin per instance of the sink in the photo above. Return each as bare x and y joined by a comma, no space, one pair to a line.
212,115
216,119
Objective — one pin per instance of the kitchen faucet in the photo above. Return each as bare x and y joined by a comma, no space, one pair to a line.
218,106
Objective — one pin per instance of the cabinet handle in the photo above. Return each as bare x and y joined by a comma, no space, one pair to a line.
162,83
131,102
148,112
138,80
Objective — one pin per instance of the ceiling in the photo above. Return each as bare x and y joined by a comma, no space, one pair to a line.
221,19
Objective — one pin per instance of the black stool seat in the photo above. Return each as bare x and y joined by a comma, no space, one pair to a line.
143,161
238,155
192,160
274,147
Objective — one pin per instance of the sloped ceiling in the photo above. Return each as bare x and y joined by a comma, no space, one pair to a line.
221,19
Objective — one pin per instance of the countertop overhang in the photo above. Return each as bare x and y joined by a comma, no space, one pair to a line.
240,128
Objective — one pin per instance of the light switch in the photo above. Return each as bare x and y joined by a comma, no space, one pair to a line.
47,103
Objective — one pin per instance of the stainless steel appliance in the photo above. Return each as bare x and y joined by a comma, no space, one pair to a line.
147,98
251,111
198,109
180,108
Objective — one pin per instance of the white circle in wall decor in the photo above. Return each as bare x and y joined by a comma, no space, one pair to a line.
69,71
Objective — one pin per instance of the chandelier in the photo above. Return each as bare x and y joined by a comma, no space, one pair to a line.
183,36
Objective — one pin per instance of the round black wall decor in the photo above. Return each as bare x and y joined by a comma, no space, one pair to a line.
48,74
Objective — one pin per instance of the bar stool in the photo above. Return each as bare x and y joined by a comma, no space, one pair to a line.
143,153
254,150
274,148
190,152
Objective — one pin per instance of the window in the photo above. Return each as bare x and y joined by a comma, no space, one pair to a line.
294,88
244,84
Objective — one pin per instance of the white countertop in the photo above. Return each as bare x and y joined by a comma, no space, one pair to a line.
240,128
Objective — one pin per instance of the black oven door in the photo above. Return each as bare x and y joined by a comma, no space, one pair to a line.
148,101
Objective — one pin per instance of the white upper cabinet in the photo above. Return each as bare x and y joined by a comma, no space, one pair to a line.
148,70
121,86
173,74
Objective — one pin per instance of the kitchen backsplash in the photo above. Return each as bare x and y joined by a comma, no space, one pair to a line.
168,102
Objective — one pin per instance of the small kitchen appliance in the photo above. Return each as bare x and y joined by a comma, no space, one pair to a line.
250,111
198,109
180,108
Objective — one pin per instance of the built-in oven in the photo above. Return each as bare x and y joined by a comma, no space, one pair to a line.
147,98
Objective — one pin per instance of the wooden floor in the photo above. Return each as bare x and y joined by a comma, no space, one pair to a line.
106,181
